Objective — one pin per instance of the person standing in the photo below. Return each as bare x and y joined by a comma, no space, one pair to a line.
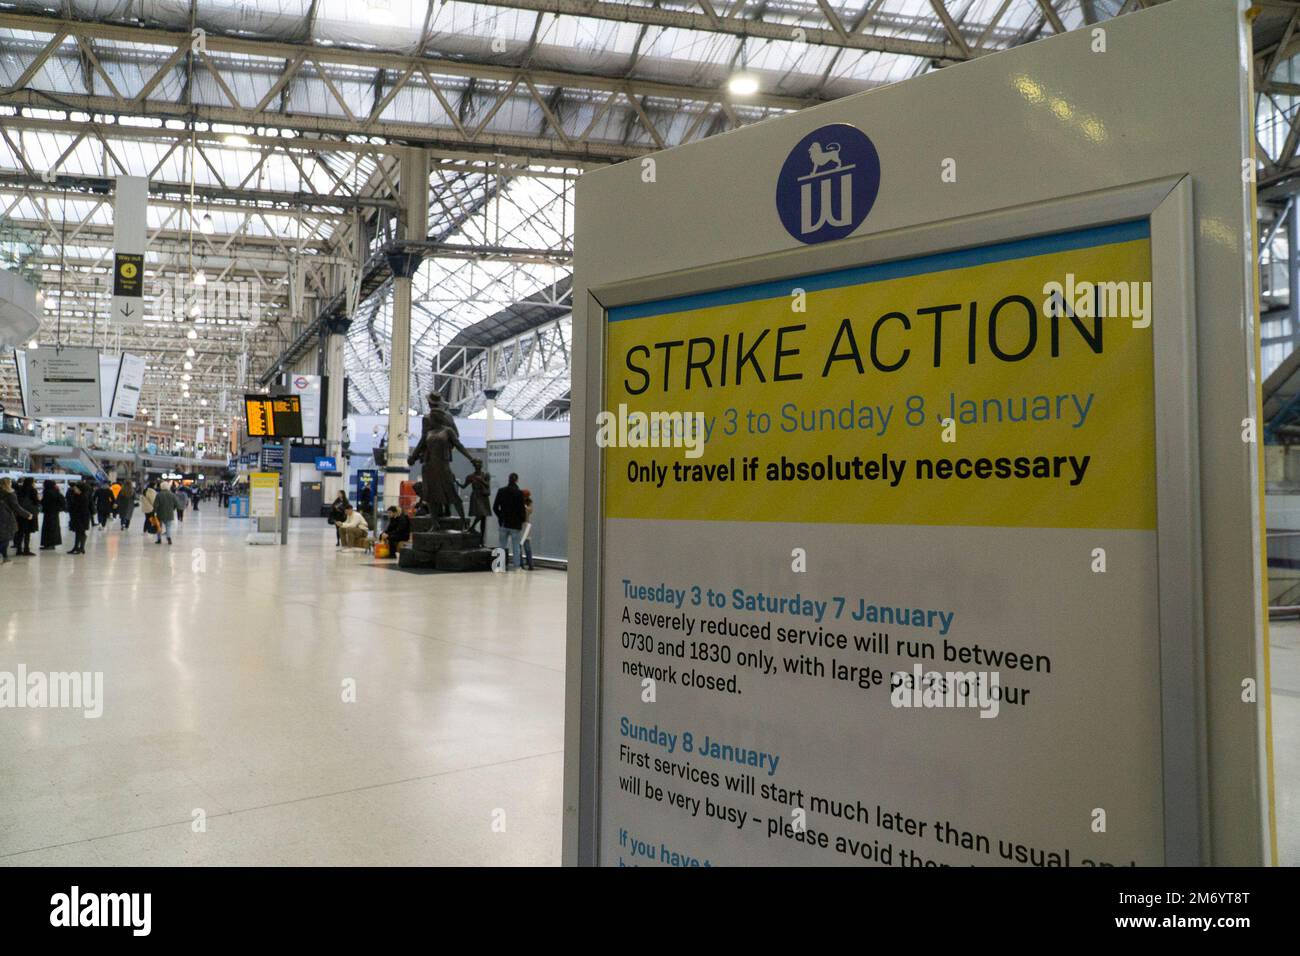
126,503
509,509
165,506
78,515
11,512
30,502
526,536
52,504
182,498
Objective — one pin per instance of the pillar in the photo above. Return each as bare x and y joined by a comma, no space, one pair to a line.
413,226
334,413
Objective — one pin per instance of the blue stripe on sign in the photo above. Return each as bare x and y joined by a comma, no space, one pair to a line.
861,275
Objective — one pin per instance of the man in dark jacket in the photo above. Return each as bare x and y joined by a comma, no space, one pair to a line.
103,505
509,509
79,514
398,530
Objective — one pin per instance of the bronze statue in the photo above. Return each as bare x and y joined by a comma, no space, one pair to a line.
438,437
480,498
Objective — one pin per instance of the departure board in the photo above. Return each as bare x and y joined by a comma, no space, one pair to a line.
273,416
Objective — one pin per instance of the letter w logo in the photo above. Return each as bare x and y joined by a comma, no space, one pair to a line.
825,204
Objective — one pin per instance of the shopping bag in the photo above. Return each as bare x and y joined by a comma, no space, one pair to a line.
382,550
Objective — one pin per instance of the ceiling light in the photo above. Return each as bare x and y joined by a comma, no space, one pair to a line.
189,353
205,224
191,334
743,84
200,279
33,345
188,366
174,416
236,139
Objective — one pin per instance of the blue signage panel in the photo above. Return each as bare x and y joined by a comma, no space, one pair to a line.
828,183
272,457
326,464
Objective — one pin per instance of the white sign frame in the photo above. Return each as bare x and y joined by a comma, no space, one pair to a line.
708,219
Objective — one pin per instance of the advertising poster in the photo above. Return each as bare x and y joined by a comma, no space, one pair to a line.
879,580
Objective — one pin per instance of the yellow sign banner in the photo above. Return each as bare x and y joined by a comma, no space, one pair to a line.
1007,387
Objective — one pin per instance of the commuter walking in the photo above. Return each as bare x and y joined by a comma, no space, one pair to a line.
146,504
126,503
182,500
103,505
165,507
526,536
30,502
11,512
78,515
52,504
509,509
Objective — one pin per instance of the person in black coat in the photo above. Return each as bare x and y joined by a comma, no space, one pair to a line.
52,503
103,504
10,514
398,530
30,502
79,514
509,509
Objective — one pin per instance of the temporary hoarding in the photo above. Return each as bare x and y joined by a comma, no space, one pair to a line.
926,585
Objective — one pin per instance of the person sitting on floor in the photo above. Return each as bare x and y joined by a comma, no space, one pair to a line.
398,530
353,530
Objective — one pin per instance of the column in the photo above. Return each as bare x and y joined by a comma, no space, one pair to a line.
334,412
413,226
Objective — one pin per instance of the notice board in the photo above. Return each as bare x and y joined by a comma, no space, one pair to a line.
965,567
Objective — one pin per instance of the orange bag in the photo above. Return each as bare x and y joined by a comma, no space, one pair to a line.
382,550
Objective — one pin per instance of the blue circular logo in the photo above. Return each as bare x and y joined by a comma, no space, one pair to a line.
828,184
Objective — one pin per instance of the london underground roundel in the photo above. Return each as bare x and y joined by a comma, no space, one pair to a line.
828,183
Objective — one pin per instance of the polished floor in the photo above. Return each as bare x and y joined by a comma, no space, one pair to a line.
225,737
